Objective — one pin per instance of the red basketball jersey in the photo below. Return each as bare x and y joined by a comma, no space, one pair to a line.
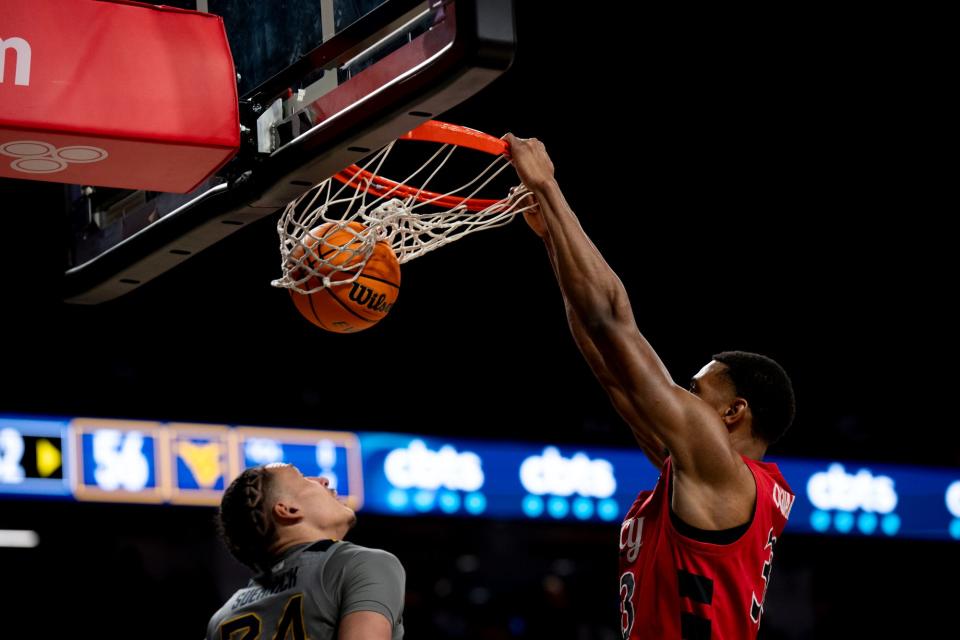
673,587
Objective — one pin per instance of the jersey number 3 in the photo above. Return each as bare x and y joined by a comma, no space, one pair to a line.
627,584
247,627
756,609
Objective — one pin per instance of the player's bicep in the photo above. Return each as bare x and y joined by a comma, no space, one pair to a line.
365,625
645,392
649,442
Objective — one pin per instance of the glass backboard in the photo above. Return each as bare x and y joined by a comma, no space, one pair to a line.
322,83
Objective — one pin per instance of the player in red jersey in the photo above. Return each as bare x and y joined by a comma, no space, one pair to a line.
695,552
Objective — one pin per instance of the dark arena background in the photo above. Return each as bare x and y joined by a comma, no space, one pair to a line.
744,176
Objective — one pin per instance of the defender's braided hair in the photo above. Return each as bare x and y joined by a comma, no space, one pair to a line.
244,518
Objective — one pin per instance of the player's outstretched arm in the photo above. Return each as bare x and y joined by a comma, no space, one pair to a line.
649,442
633,374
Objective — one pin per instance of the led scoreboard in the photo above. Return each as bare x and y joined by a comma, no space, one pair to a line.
202,460
153,462
31,457
402,475
118,460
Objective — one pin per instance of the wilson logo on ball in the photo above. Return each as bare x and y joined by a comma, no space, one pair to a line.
367,297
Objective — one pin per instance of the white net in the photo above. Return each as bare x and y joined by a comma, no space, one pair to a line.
413,220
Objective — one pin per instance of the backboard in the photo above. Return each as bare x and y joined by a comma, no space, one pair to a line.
322,83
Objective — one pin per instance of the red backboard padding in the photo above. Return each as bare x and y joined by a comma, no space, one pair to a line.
117,94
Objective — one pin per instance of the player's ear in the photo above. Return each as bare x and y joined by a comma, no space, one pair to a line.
286,511
735,412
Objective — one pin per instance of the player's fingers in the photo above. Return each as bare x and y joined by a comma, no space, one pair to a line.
512,140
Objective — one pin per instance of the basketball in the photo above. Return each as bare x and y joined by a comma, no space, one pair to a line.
347,307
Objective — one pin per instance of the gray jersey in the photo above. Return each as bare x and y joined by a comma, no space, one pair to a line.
310,589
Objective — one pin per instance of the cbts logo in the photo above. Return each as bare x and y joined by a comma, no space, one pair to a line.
32,156
838,496
418,467
837,489
22,58
553,474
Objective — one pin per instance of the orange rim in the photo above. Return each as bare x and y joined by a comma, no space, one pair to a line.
429,131
446,133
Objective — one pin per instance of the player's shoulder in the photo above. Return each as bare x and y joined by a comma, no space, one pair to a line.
345,553
351,561
217,618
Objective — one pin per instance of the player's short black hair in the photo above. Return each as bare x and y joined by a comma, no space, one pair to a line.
763,383
244,519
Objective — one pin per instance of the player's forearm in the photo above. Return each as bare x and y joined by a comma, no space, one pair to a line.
602,324
651,445
580,336
590,287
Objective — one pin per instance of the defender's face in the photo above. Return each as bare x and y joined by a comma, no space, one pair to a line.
313,497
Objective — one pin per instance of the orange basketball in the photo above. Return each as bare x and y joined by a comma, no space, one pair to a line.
351,307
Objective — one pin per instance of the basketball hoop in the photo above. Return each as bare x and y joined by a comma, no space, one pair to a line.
405,214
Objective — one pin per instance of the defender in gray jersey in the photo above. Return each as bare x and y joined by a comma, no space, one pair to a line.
310,583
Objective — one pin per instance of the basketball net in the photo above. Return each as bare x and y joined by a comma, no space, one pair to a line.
413,220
